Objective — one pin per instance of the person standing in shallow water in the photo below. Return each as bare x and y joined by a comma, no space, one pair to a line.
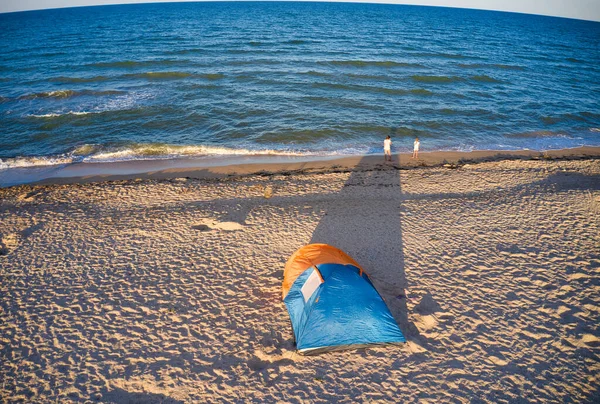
387,148
416,149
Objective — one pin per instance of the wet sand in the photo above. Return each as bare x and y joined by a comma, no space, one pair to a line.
221,167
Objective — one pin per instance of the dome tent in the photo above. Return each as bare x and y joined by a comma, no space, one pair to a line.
332,303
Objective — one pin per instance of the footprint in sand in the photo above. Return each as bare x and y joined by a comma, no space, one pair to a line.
29,196
214,225
425,323
497,361
261,361
8,243
590,340
31,229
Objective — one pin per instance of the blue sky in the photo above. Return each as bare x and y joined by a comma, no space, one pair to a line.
581,9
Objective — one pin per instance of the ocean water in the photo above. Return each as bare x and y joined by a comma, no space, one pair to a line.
165,81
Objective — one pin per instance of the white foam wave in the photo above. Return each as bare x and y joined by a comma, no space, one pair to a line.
54,115
119,103
22,162
92,153
59,93
160,151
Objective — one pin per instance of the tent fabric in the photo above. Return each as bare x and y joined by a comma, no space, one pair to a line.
334,306
310,255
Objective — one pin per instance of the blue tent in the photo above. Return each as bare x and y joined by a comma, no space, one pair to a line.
332,303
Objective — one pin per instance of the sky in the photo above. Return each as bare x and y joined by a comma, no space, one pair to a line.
580,9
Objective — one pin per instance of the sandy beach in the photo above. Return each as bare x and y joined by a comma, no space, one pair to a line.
165,287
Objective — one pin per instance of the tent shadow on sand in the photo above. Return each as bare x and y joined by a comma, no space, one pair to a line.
372,192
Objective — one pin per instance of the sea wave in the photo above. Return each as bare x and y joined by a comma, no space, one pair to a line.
421,91
159,75
259,62
130,64
443,55
316,73
64,79
537,134
459,111
373,89
57,115
485,79
173,75
371,77
167,151
300,42
573,60
489,66
60,94
23,162
187,51
49,94
370,63
211,76
93,153
436,79
131,105
584,116
303,135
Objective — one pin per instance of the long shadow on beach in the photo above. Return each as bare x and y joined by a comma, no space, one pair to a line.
367,224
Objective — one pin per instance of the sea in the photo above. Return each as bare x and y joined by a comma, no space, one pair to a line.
167,81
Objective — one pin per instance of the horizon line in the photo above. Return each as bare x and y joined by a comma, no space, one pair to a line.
377,2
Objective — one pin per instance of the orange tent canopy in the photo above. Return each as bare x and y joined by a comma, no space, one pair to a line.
312,255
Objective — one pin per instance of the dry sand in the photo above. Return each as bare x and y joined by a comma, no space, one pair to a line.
169,290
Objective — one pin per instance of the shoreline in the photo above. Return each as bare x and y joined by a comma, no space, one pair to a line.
214,168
